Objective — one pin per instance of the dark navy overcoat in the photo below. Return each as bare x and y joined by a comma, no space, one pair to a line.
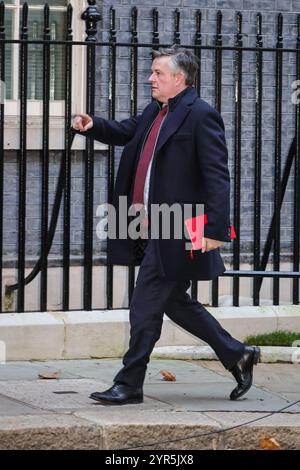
190,165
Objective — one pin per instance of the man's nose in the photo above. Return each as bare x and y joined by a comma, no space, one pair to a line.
150,79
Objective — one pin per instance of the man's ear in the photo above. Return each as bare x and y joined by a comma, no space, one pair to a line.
181,79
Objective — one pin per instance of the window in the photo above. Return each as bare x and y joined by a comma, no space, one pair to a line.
13,13
35,52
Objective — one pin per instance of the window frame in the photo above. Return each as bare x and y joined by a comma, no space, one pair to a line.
56,107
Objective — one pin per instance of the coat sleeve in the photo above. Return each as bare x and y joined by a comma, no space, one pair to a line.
213,163
112,132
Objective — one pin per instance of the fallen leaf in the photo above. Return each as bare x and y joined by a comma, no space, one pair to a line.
53,375
269,443
168,376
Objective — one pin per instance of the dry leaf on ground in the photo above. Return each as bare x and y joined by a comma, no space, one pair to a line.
52,375
269,443
168,376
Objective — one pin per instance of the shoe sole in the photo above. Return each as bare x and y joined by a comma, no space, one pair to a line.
109,403
256,355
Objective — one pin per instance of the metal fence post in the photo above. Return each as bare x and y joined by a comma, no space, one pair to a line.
91,16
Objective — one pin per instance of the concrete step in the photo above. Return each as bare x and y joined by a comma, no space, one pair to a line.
269,354
132,430
75,335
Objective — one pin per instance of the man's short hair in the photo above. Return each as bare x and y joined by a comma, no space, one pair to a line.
182,59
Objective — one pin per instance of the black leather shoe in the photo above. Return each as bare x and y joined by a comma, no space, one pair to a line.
119,394
243,371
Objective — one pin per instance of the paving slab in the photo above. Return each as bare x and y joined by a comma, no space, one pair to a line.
51,414
29,370
275,377
11,407
184,371
215,396
85,368
68,395
106,369
279,378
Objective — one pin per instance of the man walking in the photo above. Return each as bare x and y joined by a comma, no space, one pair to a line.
175,152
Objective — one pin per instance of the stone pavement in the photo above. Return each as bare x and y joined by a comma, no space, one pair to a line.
58,414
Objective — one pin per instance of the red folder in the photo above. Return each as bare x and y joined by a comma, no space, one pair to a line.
195,229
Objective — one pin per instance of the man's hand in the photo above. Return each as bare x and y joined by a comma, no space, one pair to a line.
208,244
82,122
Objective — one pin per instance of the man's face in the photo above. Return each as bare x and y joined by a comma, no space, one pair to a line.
164,82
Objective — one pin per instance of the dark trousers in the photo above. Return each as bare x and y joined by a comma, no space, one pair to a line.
152,297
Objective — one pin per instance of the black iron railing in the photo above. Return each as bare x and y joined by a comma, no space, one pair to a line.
94,50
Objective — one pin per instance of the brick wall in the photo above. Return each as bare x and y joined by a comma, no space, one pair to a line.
249,8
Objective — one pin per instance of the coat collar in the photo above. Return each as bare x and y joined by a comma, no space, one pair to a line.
188,95
179,108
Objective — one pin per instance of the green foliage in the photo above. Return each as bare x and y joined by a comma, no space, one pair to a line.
277,338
